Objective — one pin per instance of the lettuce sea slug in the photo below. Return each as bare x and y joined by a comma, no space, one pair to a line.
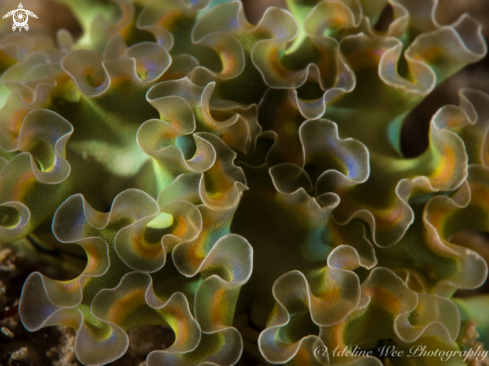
243,184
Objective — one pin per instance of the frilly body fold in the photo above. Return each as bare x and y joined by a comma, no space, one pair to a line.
243,184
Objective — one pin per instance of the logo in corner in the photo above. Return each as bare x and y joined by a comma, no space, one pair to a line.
20,17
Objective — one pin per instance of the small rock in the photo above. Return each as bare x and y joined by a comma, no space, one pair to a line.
7,332
21,354
7,258
63,354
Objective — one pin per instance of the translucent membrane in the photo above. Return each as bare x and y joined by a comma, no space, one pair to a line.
224,177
